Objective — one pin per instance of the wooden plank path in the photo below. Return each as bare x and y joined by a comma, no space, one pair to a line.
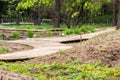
46,46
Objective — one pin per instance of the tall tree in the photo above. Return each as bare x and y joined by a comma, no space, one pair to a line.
36,15
114,22
77,11
118,22
35,6
3,8
57,13
8,7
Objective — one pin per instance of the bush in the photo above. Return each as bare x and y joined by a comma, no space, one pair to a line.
3,49
1,36
30,34
50,34
87,29
68,31
15,35
61,52
83,29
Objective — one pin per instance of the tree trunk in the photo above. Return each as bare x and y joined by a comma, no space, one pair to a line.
39,16
0,17
57,13
118,22
36,16
17,18
91,20
114,20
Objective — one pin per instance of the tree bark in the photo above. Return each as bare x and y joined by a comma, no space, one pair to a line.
36,16
118,22
17,18
57,13
0,17
114,20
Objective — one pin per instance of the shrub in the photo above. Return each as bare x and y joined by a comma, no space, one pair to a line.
76,31
61,52
83,29
30,34
3,49
50,34
15,35
87,29
68,32
1,36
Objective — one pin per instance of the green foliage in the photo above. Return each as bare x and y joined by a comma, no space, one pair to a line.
83,29
50,34
68,32
15,35
93,6
61,52
103,19
75,14
74,10
1,36
30,34
3,49
87,28
34,27
66,71
25,4
97,25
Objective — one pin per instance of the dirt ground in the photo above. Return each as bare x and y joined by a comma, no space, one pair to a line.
14,47
104,48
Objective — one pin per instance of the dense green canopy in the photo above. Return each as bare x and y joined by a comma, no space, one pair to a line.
72,12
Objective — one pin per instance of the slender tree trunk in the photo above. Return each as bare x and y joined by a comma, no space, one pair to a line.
39,16
57,13
114,20
0,17
17,18
91,20
118,22
36,16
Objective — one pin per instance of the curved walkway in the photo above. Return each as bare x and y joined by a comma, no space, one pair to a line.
46,46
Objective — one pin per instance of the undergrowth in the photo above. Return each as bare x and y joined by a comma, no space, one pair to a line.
3,49
56,71
80,30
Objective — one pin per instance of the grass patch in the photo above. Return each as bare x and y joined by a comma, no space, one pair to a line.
15,35
61,52
34,27
49,34
3,49
68,71
30,34
97,25
87,28
48,26
81,30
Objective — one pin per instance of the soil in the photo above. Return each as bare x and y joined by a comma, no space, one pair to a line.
104,48
14,47
7,75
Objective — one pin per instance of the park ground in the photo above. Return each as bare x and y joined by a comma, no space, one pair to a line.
94,59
